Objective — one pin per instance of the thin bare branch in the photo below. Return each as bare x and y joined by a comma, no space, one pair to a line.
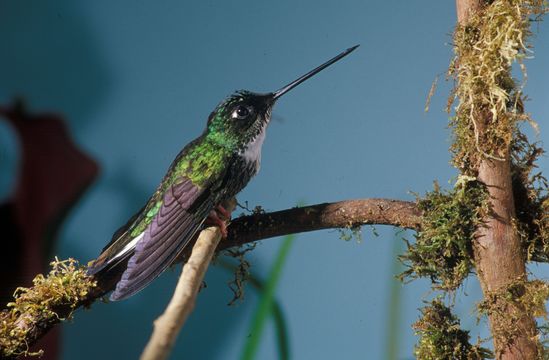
342,214
168,325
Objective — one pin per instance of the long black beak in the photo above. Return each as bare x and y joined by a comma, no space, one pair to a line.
311,73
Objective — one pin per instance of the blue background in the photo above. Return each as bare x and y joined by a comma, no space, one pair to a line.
136,81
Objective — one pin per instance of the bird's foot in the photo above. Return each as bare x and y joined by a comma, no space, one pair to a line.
221,210
219,217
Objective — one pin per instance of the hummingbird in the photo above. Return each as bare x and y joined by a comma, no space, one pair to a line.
211,169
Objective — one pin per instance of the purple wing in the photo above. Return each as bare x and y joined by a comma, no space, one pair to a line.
184,209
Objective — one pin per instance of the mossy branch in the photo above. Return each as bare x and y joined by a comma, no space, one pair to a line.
443,250
490,102
66,288
342,214
51,299
440,336
522,296
491,36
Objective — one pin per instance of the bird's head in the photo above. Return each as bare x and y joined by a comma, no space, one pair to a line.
239,119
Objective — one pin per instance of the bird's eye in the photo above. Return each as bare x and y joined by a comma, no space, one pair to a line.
241,112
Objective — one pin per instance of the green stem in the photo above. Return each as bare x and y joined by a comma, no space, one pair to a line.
266,301
393,324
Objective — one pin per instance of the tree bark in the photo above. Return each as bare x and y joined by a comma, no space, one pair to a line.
342,214
498,253
465,8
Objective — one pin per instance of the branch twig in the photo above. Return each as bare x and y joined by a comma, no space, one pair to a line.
168,325
342,214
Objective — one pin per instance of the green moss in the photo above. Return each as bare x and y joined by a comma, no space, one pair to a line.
443,250
440,336
543,330
509,305
531,194
65,286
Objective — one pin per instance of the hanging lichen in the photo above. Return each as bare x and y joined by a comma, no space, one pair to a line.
440,336
490,102
443,250
241,271
490,107
65,287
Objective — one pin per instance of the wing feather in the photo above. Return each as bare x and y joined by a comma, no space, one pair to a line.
185,207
